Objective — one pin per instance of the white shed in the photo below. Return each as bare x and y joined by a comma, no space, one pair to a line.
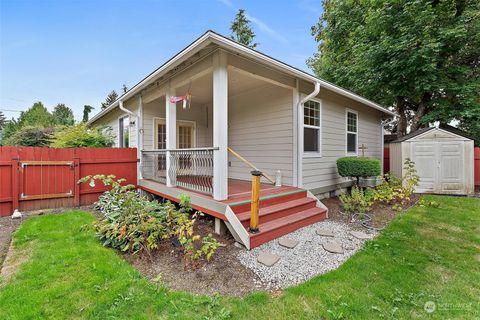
443,159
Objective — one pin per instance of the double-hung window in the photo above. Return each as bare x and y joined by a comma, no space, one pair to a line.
123,132
311,128
352,133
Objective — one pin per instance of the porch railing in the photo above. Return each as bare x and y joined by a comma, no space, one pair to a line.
188,168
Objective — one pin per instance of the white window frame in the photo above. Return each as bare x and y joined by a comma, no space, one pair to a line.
120,134
156,120
312,154
347,111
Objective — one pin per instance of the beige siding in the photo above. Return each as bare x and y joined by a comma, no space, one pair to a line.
111,121
322,171
261,130
396,161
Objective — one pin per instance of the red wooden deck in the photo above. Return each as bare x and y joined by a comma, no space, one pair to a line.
282,209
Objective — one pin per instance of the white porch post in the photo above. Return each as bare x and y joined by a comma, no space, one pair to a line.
171,131
140,136
220,126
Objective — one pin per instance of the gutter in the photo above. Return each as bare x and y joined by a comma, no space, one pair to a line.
314,93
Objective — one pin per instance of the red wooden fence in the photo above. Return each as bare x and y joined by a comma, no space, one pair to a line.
477,167
386,160
33,178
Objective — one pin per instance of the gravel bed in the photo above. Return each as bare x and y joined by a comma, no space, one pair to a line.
307,259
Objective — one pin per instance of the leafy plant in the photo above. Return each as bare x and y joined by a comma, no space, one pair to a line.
133,223
81,135
30,136
359,201
357,167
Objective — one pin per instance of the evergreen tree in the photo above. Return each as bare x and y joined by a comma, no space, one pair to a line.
86,111
124,88
419,57
242,31
111,98
3,120
63,115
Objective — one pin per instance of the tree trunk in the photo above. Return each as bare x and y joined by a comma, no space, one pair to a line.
402,118
421,111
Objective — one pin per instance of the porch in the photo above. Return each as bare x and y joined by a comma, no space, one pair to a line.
282,209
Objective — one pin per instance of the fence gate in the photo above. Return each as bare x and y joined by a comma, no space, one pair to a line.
33,178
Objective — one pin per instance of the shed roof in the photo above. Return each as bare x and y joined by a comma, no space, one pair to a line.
423,130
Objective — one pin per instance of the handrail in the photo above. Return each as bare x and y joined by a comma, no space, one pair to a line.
250,164
185,149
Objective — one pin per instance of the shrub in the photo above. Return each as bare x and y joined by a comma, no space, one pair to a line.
30,136
358,167
359,201
133,223
82,136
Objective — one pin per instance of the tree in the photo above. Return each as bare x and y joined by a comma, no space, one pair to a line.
124,88
3,120
81,135
30,136
418,57
111,98
86,111
242,31
63,115
37,115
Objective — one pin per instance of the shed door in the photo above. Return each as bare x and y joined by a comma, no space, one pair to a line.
440,166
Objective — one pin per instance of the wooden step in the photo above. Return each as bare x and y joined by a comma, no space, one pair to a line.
268,200
278,211
279,227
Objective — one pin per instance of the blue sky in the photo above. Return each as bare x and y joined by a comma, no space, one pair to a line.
75,52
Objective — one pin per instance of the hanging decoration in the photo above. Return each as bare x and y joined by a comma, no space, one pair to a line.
186,99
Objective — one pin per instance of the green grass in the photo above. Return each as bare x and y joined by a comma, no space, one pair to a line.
426,254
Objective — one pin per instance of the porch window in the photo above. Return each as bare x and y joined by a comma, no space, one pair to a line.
123,132
311,127
352,132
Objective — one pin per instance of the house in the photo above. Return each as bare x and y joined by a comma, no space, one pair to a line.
443,157
244,110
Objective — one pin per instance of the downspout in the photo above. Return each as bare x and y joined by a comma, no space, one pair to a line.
315,91
382,150
137,118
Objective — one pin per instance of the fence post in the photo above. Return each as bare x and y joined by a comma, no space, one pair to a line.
255,201
15,189
76,177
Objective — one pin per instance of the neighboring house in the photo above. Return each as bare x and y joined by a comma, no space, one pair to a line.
443,157
246,107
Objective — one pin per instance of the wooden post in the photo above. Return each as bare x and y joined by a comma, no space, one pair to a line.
15,183
255,201
171,131
76,177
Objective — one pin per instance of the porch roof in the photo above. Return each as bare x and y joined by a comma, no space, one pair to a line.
211,37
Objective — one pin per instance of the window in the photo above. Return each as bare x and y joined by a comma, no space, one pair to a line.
311,127
352,132
161,134
123,132
185,134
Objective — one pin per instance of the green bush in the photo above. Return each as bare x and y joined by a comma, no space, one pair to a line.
133,223
359,201
30,136
82,136
358,167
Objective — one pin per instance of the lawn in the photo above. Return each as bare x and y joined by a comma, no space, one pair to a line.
426,254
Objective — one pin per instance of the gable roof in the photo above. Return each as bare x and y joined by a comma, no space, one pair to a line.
420,131
213,37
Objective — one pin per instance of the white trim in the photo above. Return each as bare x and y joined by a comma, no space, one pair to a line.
352,154
119,145
295,151
157,120
313,154
212,37
418,137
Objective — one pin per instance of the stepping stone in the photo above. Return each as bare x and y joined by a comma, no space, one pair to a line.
324,233
360,235
268,259
288,243
333,247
